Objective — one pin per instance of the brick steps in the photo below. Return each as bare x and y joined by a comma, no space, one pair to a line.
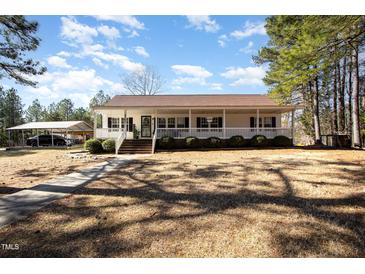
140,146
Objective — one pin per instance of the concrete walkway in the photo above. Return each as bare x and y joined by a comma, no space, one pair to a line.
19,205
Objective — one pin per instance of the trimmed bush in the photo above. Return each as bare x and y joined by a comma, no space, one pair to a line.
213,142
236,141
281,141
166,142
259,141
108,145
93,146
192,142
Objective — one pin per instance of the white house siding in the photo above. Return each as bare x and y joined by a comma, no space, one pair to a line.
233,120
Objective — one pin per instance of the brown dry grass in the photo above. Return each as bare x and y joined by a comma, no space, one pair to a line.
252,203
25,168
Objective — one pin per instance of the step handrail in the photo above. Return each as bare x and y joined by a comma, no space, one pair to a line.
154,141
120,139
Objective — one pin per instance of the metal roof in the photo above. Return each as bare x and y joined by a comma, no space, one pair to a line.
207,100
66,125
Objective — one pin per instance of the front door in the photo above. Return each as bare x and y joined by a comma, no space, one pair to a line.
146,126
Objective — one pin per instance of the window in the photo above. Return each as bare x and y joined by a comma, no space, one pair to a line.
161,122
268,122
113,122
182,122
253,121
204,122
171,122
214,123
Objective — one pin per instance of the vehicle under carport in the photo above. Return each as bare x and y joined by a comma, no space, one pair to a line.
60,127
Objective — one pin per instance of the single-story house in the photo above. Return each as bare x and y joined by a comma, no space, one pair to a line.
127,117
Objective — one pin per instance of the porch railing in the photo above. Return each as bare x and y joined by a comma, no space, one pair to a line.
120,139
222,132
104,133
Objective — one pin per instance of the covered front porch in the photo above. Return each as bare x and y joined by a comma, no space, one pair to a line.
154,123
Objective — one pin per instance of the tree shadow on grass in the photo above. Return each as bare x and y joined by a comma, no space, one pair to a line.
172,204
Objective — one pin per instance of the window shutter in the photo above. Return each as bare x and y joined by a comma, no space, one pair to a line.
252,122
109,122
186,122
273,121
198,122
130,124
220,122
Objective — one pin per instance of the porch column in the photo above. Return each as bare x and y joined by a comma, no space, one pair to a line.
52,137
257,120
190,121
292,125
95,123
224,123
125,122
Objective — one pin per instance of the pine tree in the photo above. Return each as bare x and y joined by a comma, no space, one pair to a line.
17,37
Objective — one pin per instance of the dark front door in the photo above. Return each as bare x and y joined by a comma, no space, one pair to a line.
145,126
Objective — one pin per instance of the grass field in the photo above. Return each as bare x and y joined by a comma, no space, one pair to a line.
250,203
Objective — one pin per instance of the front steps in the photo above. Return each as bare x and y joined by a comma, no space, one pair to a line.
139,146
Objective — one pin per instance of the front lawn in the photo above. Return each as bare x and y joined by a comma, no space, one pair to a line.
250,203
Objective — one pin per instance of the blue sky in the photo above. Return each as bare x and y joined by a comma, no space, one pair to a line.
194,54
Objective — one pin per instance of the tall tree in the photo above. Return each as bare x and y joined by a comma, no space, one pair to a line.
11,108
82,114
35,112
146,81
341,96
99,99
17,37
65,108
356,138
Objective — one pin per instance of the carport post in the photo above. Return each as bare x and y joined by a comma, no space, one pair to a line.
52,137
190,121
37,138
224,123
9,136
23,137
292,125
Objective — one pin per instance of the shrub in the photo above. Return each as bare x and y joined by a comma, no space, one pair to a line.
3,140
259,141
213,142
236,141
93,146
282,141
166,142
192,142
108,145
362,132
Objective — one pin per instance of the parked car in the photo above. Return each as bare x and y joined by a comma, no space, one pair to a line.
46,140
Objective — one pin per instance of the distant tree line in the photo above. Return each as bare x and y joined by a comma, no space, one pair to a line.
315,60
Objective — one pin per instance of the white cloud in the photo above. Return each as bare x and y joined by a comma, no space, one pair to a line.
248,49
127,20
249,29
203,22
245,75
75,32
133,33
195,71
117,59
110,33
141,51
99,63
222,40
64,54
189,74
76,84
57,61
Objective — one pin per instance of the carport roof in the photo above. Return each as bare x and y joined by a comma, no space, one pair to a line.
66,125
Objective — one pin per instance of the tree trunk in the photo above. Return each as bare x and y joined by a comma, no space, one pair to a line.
335,114
341,96
316,123
350,99
356,138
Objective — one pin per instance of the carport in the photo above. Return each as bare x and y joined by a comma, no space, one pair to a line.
79,127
